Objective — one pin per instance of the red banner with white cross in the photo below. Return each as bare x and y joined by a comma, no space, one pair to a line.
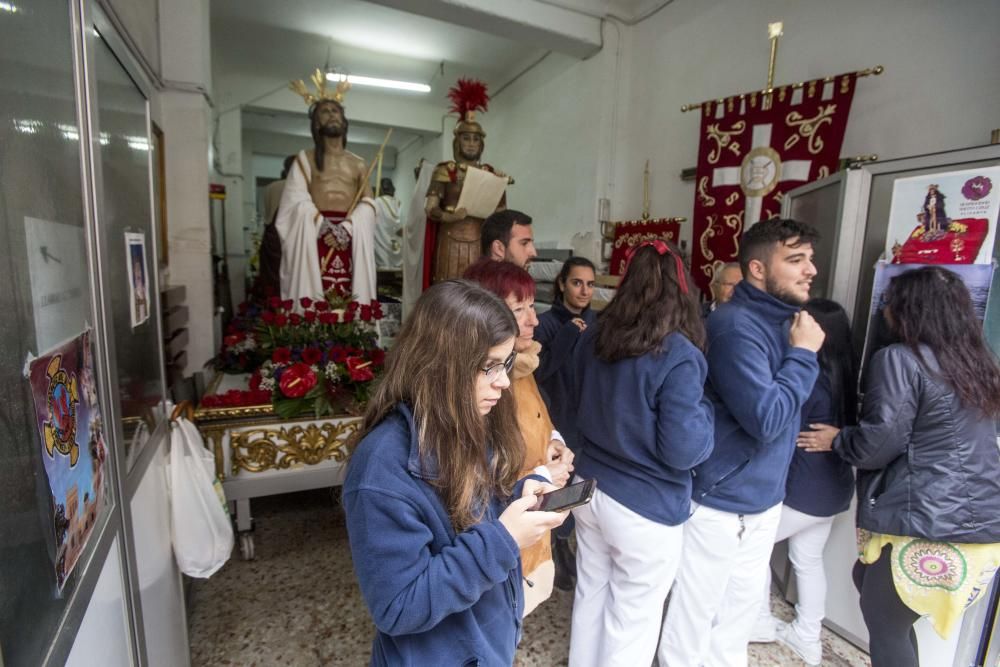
752,151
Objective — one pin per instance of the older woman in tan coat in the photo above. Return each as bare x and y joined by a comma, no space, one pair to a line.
545,451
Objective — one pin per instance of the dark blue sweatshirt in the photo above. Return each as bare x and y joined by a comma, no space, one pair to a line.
758,384
819,483
554,375
643,424
436,597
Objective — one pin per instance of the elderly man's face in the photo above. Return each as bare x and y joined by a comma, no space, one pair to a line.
723,290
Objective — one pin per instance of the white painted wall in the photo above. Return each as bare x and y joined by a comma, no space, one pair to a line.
103,637
936,93
555,131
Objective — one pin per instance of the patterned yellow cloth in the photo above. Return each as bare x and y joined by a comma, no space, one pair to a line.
936,579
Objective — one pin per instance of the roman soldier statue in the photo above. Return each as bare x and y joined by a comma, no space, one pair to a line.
451,241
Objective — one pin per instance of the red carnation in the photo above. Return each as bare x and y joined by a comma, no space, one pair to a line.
322,306
306,302
359,369
281,355
297,380
310,316
311,355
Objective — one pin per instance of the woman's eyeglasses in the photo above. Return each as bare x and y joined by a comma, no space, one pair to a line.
493,372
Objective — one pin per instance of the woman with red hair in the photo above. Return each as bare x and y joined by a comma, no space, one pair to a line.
546,453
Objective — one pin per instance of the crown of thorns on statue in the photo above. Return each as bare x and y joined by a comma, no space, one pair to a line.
467,97
322,93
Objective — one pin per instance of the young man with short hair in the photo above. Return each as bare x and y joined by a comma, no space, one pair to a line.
761,351
506,237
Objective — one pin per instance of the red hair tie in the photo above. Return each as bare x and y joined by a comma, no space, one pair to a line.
661,248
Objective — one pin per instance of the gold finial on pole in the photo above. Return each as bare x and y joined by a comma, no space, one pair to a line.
645,192
773,33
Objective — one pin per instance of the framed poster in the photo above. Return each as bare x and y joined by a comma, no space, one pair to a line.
944,218
138,277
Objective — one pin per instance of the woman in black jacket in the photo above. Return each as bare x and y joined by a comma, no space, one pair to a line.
928,466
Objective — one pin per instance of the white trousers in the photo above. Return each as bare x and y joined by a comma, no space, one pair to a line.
723,568
806,535
625,565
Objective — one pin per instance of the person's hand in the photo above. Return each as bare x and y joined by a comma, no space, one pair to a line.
805,332
525,525
578,321
819,439
559,461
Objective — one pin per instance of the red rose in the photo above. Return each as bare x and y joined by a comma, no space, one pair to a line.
322,306
338,354
353,306
268,317
349,315
274,302
255,381
297,380
295,319
366,313
229,341
287,304
306,302
309,316
359,369
281,355
327,318
280,320
311,355
377,356
377,310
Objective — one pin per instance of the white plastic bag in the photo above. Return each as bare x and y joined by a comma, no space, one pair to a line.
199,522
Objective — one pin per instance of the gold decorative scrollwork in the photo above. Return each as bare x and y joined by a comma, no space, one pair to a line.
823,172
259,449
734,221
706,199
808,128
632,240
724,139
731,199
706,235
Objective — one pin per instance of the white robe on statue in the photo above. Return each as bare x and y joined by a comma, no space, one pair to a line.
299,224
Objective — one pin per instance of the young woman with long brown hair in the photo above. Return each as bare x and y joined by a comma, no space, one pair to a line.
643,424
437,459
928,466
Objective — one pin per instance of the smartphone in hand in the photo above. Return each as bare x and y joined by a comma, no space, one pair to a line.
568,497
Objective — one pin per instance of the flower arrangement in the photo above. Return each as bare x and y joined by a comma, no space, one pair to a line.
315,358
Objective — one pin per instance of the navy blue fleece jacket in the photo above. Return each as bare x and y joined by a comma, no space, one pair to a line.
643,424
554,375
436,597
758,383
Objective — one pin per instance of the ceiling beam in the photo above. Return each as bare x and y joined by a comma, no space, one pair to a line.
527,21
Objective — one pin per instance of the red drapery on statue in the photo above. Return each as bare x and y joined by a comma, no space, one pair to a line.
749,156
633,232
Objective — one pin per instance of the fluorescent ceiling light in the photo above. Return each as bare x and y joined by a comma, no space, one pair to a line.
379,83
8,7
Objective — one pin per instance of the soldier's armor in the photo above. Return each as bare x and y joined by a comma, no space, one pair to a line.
457,243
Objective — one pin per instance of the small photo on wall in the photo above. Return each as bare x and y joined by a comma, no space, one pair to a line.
138,277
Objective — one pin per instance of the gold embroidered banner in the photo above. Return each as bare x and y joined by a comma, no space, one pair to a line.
753,150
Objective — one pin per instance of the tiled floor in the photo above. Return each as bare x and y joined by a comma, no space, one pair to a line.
298,604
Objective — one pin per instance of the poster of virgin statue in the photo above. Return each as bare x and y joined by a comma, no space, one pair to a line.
945,218
138,277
